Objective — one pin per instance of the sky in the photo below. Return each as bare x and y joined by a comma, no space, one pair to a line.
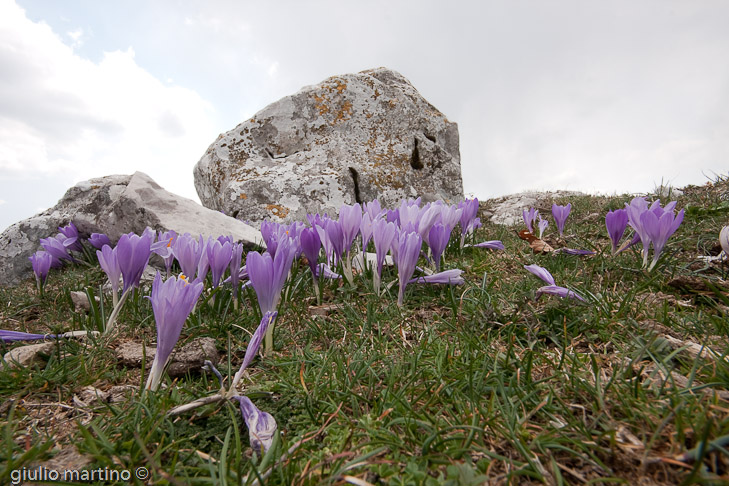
592,96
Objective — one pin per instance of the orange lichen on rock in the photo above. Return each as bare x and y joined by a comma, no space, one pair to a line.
278,210
243,196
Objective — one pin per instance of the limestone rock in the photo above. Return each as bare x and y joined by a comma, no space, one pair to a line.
113,205
351,138
508,210
190,357
27,355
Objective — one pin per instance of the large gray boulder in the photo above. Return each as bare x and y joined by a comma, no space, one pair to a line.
113,205
351,138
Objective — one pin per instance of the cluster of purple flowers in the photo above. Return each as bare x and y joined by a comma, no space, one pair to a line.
652,224
56,249
559,213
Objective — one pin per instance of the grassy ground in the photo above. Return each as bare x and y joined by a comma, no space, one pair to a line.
478,384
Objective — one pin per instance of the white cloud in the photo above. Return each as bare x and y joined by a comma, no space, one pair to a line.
63,114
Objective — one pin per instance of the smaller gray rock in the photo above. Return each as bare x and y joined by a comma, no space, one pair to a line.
190,357
81,301
27,355
507,210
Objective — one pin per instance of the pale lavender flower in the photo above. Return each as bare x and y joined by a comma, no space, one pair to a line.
41,262
529,218
335,238
203,265
634,210
219,256
449,277
449,216
365,230
373,208
172,302
407,257
163,248
551,288
659,229
71,233
235,267
438,237
187,251
257,339
133,254
560,213
110,265
323,270
350,218
492,244
469,222
383,234
543,223
261,425
616,222
311,246
98,240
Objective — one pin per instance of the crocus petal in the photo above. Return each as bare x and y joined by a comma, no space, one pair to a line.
616,222
541,272
98,240
350,218
261,425
110,265
133,253
257,338
452,277
492,244
325,271
41,262
13,336
558,291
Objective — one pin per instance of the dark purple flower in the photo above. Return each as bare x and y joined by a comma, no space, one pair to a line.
438,237
71,232
616,222
172,302
133,253
56,247
310,245
41,262
98,240
335,238
407,257
383,234
261,425
560,213
219,256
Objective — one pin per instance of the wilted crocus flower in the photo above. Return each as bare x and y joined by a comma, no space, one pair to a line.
451,277
133,254
560,213
172,302
438,237
41,262
261,425
551,288
383,233
219,256
659,229
70,231
407,256
268,276
616,222
252,348
724,240
98,240
529,218
492,244
13,336
543,223
110,265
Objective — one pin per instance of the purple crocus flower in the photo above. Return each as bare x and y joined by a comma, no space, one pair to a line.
350,218
383,233
468,220
14,336
41,262
560,213
71,232
98,240
219,256
529,218
450,277
235,266
203,265
543,223
56,247
365,229
635,209
187,251
374,209
310,245
110,265
261,425
172,302
616,222
449,216
438,237
133,254
163,248
407,257
551,288
492,244
335,238
659,229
